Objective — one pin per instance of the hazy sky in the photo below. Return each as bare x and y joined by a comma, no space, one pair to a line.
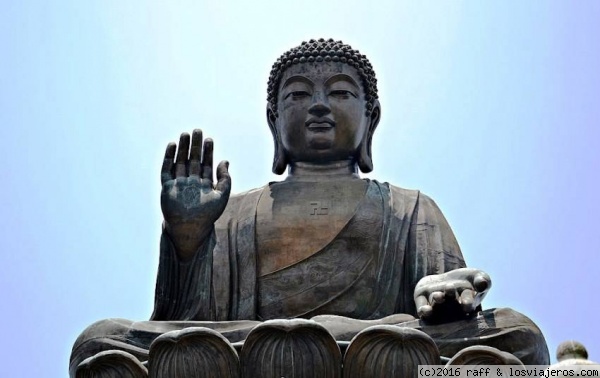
491,108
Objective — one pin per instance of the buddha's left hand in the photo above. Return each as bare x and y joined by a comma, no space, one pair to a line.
452,295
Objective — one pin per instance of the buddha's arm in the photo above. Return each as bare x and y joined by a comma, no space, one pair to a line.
436,246
191,204
444,288
183,287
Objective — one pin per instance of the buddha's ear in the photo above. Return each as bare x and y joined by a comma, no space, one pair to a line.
279,160
365,157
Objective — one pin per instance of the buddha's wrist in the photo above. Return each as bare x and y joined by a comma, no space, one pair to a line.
188,238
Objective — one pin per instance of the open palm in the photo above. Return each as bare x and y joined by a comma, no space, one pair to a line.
190,201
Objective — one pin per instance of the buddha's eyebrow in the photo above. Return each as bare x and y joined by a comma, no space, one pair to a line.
342,77
300,78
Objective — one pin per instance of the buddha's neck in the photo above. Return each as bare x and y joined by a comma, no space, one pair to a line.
301,171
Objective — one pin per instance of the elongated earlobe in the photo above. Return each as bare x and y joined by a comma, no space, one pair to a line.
365,162
365,157
279,159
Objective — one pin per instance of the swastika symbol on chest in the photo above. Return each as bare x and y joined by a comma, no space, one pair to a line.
319,207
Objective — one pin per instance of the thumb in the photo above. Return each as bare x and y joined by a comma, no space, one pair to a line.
223,178
482,282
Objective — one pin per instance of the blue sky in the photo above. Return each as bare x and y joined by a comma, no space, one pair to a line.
491,108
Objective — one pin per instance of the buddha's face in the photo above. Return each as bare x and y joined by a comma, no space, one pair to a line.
321,112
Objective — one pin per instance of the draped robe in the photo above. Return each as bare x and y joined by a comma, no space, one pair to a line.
368,270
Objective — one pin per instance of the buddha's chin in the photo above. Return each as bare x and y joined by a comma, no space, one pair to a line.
321,140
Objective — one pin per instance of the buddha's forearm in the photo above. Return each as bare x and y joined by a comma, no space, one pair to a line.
183,286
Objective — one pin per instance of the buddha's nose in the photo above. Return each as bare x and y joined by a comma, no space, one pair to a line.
319,106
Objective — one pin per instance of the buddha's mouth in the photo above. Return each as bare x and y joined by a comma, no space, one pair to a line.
320,124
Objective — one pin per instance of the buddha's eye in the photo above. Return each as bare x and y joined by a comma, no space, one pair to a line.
296,95
342,93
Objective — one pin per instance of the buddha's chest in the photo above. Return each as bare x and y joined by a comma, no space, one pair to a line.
297,219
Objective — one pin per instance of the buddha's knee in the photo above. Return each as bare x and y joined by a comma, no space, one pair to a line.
102,335
501,328
103,328
511,320
518,334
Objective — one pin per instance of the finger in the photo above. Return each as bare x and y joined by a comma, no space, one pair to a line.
207,159
424,309
425,312
450,292
223,178
195,152
182,155
482,282
467,300
166,173
436,297
421,301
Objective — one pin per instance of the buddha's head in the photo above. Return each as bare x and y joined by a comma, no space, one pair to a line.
322,105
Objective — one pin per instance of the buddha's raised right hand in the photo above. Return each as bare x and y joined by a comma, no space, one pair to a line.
190,202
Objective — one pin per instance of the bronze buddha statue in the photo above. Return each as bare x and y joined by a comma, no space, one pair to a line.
323,243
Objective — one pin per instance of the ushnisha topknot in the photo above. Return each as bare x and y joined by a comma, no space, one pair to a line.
319,51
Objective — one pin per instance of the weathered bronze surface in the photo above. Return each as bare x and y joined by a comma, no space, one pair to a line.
322,244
